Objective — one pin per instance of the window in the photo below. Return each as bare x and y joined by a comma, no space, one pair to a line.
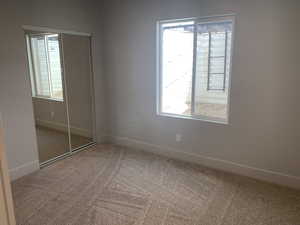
45,66
194,68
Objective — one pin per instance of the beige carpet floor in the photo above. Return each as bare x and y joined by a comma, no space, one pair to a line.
110,185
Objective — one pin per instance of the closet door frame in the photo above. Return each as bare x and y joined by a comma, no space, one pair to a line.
27,29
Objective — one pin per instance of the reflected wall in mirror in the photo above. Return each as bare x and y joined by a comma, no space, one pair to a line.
48,95
78,76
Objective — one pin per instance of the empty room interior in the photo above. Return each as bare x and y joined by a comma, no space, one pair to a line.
161,112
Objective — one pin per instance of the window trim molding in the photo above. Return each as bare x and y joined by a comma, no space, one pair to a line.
204,19
47,98
54,30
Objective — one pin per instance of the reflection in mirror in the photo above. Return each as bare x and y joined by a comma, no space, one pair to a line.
48,95
78,75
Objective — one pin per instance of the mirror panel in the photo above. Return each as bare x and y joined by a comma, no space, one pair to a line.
48,94
78,77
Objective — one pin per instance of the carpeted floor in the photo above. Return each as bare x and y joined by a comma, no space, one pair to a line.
110,185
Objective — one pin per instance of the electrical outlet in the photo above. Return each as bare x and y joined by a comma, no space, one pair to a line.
52,114
178,137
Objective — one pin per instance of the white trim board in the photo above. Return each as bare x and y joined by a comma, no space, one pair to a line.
53,30
63,127
220,164
24,169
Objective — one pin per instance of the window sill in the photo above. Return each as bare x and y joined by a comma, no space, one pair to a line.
201,118
48,99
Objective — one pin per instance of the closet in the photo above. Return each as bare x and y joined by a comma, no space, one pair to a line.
61,77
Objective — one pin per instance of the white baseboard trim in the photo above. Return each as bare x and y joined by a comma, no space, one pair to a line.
220,164
24,169
62,127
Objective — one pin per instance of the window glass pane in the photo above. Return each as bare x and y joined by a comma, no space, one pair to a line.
39,58
217,47
216,82
176,67
211,91
217,65
55,66
202,52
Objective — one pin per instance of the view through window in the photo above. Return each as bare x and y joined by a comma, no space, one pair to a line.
194,70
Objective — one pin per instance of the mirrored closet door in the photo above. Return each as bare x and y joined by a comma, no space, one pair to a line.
62,92
78,76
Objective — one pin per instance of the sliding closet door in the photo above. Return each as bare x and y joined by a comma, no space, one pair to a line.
48,94
78,76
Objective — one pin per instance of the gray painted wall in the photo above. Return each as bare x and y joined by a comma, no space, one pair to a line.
15,96
264,126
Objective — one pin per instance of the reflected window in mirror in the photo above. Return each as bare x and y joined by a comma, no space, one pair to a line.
45,66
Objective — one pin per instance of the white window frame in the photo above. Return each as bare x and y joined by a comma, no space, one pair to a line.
33,72
198,20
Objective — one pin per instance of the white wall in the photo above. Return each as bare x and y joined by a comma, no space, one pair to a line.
15,96
264,125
